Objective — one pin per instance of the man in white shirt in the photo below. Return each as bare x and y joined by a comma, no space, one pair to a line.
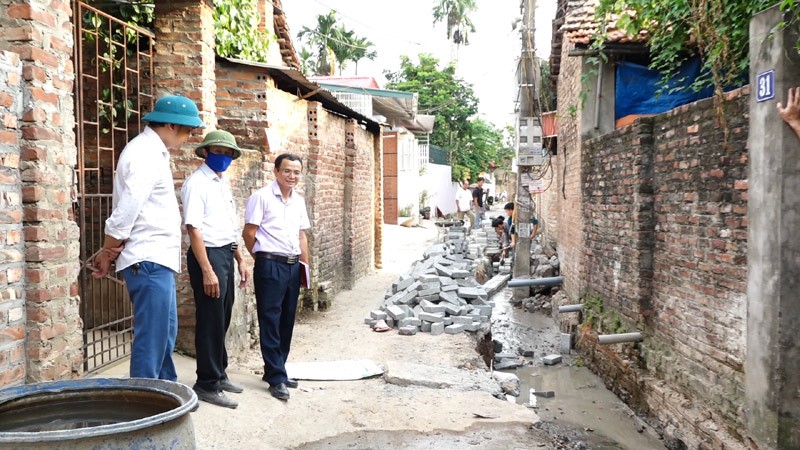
212,224
274,232
143,234
464,202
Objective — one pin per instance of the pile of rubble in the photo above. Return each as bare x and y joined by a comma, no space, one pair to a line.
439,294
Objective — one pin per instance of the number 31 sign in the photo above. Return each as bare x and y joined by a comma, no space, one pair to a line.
765,83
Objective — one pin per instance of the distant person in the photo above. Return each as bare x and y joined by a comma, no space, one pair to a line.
213,227
791,112
464,202
477,203
510,241
274,233
144,230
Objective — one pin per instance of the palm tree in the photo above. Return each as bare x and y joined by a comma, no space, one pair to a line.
335,45
456,13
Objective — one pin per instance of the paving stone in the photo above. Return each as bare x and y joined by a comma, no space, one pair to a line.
427,292
395,299
470,292
454,329
413,286
472,326
430,298
504,355
463,320
451,309
437,328
507,364
396,312
483,310
430,307
449,297
410,321
460,273
407,298
450,288
425,327
390,322
543,394
409,312
409,330
431,285
429,317
550,360
370,321
448,320
444,271
426,278
377,315
403,284
447,281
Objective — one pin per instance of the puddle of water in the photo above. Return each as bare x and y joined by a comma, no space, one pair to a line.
581,399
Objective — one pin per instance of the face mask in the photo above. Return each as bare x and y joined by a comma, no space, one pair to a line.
218,163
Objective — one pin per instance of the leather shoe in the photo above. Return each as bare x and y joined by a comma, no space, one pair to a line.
227,386
216,398
279,391
290,383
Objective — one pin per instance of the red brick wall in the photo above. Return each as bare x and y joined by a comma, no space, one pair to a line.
12,299
41,34
666,232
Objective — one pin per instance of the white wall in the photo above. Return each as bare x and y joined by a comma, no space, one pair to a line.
441,190
408,179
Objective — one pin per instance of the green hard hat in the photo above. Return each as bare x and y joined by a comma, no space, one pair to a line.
220,138
175,109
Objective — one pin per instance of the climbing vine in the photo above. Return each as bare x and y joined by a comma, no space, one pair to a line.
237,32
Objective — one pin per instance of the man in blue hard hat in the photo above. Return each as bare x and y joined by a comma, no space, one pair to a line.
143,234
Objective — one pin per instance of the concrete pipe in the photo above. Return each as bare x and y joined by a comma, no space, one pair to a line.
619,338
570,308
524,282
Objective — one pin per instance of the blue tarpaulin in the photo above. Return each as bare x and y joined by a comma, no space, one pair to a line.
637,86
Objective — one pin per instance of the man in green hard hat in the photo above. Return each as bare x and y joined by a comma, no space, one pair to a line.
143,234
209,214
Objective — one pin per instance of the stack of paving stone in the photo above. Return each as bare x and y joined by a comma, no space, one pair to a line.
438,294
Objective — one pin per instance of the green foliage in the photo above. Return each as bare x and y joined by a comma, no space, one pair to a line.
473,145
237,34
592,310
716,30
456,15
547,92
332,46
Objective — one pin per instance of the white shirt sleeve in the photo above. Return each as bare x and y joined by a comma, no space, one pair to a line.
254,210
193,196
137,183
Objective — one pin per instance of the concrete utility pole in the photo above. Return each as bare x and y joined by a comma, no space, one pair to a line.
527,120
772,366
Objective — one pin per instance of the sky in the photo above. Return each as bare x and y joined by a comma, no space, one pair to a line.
406,27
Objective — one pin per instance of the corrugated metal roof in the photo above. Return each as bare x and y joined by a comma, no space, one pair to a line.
365,82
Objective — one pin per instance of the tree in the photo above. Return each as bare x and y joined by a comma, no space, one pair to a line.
334,45
456,15
236,30
471,143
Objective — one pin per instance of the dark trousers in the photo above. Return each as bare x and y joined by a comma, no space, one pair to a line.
277,289
212,316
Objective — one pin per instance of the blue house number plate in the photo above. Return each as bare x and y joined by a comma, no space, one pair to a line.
765,83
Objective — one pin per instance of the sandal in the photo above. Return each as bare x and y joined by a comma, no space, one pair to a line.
381,326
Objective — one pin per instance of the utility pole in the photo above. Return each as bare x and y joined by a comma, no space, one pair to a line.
528,152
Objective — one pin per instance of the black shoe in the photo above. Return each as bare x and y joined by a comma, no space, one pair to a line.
227,386
279,391
290,383
216,398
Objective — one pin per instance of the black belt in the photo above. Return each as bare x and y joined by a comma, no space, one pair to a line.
279,258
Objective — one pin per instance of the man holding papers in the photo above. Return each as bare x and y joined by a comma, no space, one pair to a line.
274,233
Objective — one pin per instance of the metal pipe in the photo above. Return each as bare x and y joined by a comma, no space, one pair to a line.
570,308
599,95
619,338
523,282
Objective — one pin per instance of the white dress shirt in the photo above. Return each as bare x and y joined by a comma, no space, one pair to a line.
208,206
145,210
464,199
279,222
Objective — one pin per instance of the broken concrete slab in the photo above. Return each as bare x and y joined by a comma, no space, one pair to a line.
409,374
507,364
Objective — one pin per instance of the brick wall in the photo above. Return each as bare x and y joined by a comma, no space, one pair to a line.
666,231
561,203
40,32
12,266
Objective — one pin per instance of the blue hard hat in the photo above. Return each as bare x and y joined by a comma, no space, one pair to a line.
175,109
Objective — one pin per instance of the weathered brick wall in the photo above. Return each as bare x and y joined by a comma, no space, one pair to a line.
618,219
360,211
40,32
561,208
12,266
664,192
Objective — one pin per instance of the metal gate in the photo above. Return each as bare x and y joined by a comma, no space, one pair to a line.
113,89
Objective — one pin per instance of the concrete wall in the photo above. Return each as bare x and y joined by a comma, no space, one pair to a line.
665,221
